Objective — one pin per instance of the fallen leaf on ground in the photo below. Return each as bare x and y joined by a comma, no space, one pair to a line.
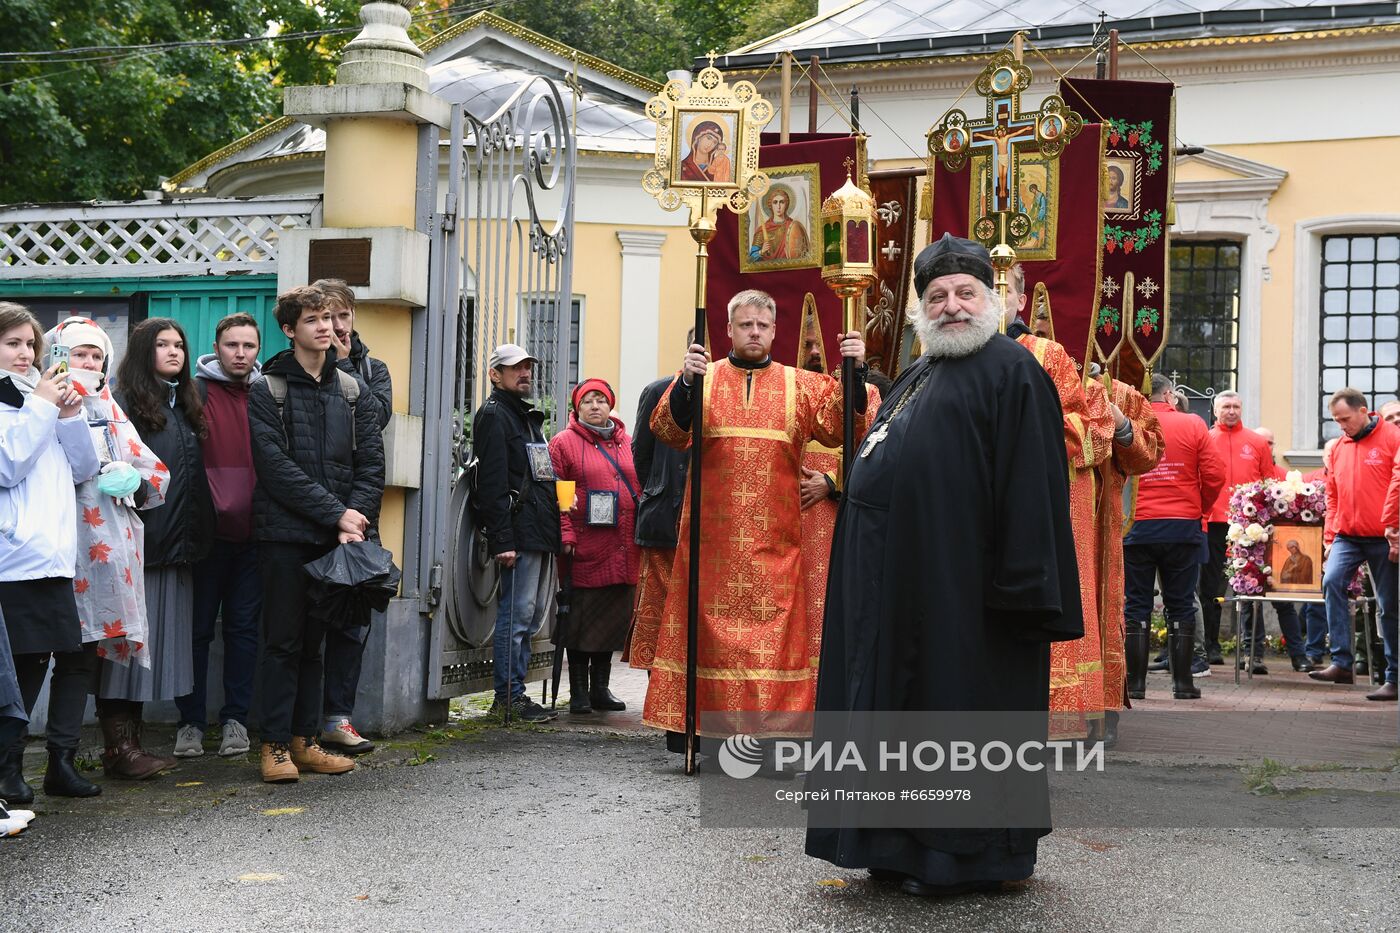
832,883
361,897
189,783
260,876
284,811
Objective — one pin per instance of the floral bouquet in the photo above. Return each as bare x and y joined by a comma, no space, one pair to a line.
1254,507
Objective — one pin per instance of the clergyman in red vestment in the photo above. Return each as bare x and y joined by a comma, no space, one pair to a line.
757,652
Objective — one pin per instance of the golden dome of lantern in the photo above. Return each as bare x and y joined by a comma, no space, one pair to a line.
848,238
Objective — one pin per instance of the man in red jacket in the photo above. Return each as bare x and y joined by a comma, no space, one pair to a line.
1166,541
226,582
1248,459
1359,473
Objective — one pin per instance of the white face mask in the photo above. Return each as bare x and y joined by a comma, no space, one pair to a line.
90,380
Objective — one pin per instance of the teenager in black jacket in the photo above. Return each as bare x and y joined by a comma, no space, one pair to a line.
320,464
345,645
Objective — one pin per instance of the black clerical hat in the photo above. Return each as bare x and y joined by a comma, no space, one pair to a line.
948,256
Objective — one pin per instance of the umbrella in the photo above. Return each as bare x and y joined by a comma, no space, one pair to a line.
561,625
351,578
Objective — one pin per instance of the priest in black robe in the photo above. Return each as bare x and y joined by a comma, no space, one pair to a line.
953,564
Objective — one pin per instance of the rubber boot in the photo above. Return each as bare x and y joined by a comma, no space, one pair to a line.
1182,649
578,683
601,697
1135,647
1110,729
62,778
13,787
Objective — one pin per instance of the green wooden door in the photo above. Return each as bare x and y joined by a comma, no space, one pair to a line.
196,302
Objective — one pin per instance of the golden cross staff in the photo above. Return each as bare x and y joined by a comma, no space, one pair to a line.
1000,141
707,138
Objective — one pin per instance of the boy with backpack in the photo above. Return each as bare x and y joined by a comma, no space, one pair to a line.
319,458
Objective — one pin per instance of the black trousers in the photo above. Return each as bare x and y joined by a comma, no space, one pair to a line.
1176,565
345,654
1213,584
292,633
68,689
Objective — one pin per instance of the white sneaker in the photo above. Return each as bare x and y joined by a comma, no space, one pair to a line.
10,826
235,741
7,814
189,742
340,736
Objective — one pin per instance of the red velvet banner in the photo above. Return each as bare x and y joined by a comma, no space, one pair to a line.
1137,192
1061,254
775,246
896,204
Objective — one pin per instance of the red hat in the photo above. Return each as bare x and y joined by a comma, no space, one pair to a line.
593,385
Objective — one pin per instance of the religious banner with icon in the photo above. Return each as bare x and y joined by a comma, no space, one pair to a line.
896,203
776,246
1131,326
1059,254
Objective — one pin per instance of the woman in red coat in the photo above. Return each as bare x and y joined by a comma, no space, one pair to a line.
599,553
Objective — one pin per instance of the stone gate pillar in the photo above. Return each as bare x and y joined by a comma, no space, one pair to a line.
372,117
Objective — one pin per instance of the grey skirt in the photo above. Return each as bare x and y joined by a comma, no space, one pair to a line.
598,618
170,625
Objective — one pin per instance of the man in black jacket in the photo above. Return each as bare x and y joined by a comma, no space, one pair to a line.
520,512
345,645
320,464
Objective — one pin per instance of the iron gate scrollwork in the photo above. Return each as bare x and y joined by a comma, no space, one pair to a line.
502,262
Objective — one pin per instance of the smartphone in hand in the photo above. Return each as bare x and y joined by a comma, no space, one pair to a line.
58,356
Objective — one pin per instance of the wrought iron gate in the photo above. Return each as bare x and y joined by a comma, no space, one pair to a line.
501,273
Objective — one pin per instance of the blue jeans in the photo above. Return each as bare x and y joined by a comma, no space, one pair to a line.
227,579
520,609
1346,555
1315,622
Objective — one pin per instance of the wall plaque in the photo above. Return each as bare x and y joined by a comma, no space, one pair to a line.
347,260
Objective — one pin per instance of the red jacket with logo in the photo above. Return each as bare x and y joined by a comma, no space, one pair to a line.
1188,479
1358,479
1247,460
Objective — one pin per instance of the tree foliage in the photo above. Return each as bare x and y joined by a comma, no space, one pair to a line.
110,124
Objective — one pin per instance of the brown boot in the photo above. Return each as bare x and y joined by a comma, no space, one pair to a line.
166,761
122,756
277,765
309,756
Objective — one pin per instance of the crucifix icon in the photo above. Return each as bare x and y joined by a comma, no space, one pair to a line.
1002,142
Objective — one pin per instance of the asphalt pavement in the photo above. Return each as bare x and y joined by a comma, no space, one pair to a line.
473,827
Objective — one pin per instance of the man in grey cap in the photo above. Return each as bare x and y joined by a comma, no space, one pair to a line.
519,512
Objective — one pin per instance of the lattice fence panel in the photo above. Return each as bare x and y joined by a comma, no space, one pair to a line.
192,237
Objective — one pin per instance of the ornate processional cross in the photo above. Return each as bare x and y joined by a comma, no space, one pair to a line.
1003,138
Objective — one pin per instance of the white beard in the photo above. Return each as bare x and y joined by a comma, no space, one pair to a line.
938,342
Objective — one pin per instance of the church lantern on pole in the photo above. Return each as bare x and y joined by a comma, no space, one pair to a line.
848,269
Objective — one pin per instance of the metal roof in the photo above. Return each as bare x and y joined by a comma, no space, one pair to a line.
884,29
606,123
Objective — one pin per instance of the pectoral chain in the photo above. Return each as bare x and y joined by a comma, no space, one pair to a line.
877,437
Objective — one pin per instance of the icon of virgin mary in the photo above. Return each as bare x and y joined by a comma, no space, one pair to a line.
708,159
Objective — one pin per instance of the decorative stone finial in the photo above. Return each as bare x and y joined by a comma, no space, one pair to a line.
382,52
